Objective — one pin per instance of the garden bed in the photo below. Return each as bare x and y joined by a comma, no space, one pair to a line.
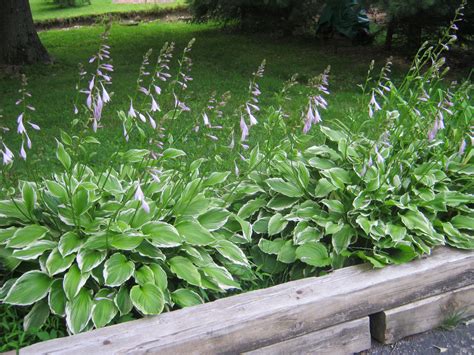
303,315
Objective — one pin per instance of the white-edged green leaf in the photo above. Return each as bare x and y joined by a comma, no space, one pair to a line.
271,246
186,298
281,202
73,281
28,194
147,299
56,263
314,254
162,235
144,275
122,300
30,287
342,239
250,207
231,252
172,153
276,224
57,298
417,220
103,311
34,250
36,316
23,237
397,233
79,311
185,270
214,219
88,259
117,270
285,188
161,279
324,188
216,178
194,234
63,156
221,277
69,243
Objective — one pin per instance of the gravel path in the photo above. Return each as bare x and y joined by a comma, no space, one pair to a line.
459,341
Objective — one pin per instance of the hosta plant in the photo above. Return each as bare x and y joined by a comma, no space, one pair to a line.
97,248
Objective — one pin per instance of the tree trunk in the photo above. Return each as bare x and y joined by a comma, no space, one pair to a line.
19,42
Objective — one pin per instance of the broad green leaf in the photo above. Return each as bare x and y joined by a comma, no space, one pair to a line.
13,209
79,311
338,176
271,246
186,298
246,228
149,250
185,270
221,277
161,279
57,298
144,275
342,239
396,232
332,134
122,300
88,259
7,233
216,178
29,196
308,234
27,235
80,201
147,299
321,163
463,222
57,190
324,188
250,207
36,316
314,254
194,234
287,253
125,241
117,270
261,225
6,287
73,281
103,311
231,252
63,156
280,202
285,188
335,206
214,219
135,155
417,220
34,250
172,153
30,287
69,243
56,264
162,235
276,224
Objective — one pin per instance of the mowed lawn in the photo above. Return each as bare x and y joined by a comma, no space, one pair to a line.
223,61
47,10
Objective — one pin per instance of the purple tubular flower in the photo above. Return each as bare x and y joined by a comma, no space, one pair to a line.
244,128
462,147
34,126
7,155
253,120
131,111
205,118
154,105
105,95
139,196
23,152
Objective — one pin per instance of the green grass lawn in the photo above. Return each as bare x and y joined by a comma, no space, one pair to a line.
47,10
222,62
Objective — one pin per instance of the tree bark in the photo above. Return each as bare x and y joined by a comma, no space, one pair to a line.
19,42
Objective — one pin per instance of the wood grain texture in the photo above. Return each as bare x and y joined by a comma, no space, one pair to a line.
342,339
392,325
261,318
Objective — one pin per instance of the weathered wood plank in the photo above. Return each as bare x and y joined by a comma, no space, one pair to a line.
261,318
342,339
392,325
